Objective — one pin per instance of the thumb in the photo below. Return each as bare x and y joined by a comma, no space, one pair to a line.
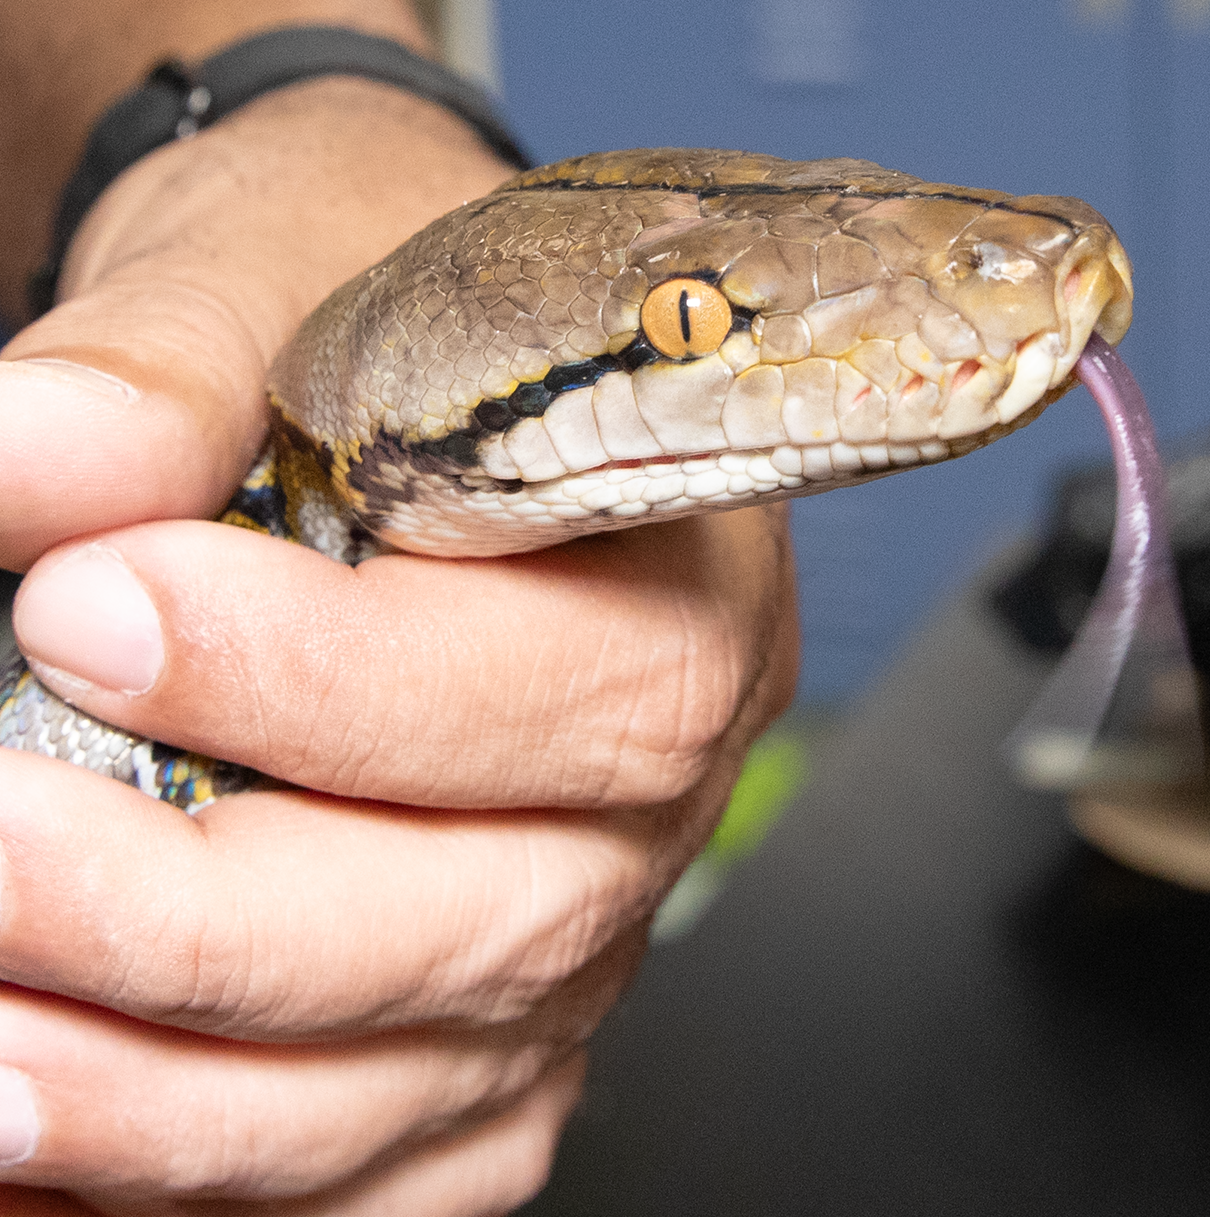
141,395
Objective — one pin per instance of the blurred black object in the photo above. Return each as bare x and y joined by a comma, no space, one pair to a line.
1044,602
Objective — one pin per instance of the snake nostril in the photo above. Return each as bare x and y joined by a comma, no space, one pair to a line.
1071,285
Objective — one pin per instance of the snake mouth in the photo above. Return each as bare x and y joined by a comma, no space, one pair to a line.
638,462
674,481
753,471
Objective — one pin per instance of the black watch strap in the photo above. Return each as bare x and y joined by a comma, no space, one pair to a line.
176,101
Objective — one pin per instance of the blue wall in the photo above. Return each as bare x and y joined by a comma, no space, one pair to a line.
1041,97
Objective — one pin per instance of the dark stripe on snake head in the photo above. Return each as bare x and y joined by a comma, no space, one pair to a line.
454,454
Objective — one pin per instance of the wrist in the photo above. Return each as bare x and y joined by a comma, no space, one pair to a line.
64,62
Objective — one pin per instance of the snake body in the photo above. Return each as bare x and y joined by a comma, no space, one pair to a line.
641,335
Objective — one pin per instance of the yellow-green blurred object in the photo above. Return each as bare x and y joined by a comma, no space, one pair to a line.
776,770
773,774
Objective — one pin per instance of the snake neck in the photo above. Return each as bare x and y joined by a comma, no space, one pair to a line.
289,494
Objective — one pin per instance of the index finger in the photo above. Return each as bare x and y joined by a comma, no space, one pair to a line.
596,674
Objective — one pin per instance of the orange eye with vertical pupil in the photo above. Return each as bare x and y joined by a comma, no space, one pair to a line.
685,318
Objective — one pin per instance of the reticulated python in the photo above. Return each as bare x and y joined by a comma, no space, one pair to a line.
636,336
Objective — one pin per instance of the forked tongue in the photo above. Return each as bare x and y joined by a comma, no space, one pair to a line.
1123,704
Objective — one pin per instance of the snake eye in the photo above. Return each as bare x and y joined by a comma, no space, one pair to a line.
685,318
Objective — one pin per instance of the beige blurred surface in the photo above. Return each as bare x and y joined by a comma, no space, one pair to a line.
1163,833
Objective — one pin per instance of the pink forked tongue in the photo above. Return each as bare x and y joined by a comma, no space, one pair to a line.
1123,704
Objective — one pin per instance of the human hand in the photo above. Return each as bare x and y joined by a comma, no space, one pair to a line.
317,995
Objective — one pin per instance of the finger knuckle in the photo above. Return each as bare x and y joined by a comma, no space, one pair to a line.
691,691
547,912
198,968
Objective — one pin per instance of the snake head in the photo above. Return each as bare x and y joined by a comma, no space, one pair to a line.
642,335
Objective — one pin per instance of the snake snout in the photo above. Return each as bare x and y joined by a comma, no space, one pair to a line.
1097,286
1093,293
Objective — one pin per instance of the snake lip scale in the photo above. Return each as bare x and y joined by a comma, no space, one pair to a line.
641,335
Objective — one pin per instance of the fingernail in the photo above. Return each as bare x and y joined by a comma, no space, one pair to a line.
79,375
65,391
88,619
20,1127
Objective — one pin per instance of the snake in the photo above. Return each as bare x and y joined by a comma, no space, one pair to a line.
636,336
